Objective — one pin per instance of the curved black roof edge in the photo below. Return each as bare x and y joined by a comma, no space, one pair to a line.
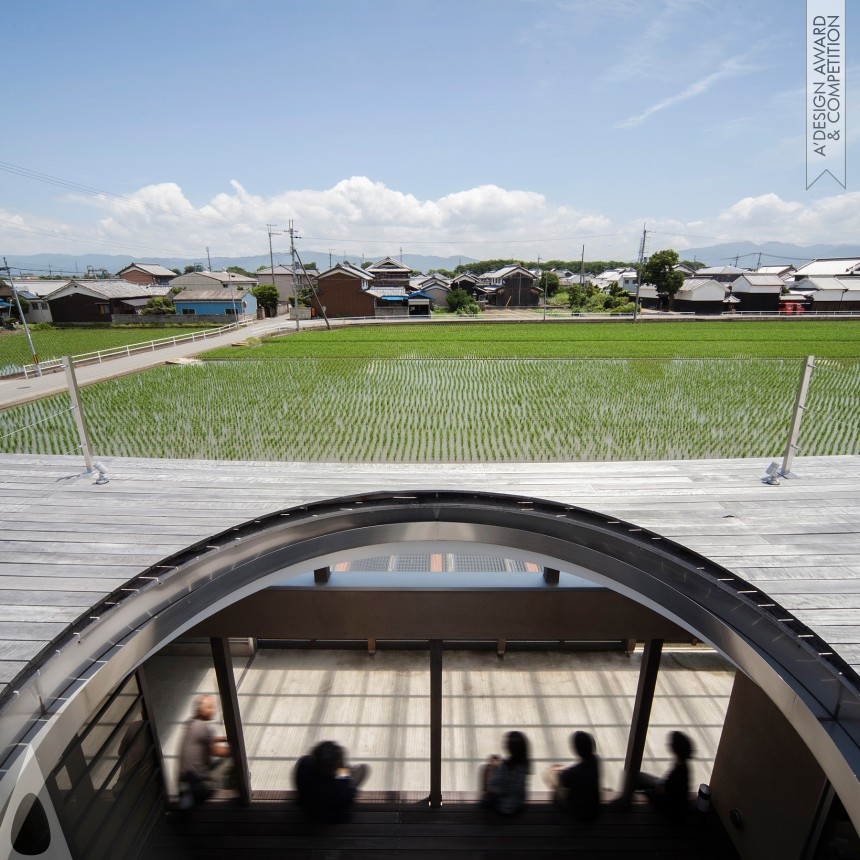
720,577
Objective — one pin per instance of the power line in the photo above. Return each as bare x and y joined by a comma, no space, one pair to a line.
59,234
99,192
499,241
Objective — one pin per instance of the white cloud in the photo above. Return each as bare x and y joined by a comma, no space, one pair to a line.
359,215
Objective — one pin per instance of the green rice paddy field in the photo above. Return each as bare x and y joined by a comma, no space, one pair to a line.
52,342
477,393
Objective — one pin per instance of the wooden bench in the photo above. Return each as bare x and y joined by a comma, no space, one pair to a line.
396,824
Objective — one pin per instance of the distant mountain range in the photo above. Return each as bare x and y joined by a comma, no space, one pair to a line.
746,254
67,264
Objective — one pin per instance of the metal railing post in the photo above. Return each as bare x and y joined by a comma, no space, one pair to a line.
78,413
799,406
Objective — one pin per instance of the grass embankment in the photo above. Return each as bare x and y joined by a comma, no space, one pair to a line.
56,342
765,339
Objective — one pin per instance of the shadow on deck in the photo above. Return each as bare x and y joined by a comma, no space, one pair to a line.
384,826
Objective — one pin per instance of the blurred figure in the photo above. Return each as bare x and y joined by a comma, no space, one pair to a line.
326,786
198,754
671,794
503,781
577,787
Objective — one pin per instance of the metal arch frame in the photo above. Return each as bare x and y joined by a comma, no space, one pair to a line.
817,692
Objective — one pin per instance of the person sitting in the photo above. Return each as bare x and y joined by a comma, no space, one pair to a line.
326,786
200,746
671,794
577,788
503,781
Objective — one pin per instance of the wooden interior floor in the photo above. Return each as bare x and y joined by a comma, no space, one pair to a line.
459,830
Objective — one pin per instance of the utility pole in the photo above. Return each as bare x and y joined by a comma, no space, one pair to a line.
293,237
582,269
639,276
21,315
759,261
329,258
208,260
272,258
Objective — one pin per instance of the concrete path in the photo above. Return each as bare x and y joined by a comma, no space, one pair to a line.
16,391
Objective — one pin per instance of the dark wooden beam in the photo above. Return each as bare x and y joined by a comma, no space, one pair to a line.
435,722
641,713
223,662
322,575
550,576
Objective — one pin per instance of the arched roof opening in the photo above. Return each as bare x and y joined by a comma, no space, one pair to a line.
816,691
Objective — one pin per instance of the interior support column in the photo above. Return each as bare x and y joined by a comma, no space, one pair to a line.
435,722
641,713
223,663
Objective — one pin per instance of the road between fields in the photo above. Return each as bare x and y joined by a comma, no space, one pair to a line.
14,392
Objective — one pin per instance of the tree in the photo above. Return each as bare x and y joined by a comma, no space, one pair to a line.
460,302
693,264
549,281
25,306
266,296
158,305
238,270
195,268
660,272
177,271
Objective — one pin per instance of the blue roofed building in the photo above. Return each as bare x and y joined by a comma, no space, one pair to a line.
218,302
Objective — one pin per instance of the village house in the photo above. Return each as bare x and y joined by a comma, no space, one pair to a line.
36,292
701,296
213,280
225,303
720,274
389,272
833,295
283,278
511,286
757,292
436,287
470,284
342,292
835,267
147,274
780,270
96,300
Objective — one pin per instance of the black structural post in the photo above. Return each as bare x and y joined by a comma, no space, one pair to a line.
641,713
435,722
223,662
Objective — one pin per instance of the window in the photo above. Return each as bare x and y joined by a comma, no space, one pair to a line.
188,311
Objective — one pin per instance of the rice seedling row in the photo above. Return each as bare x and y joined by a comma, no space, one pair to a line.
453,411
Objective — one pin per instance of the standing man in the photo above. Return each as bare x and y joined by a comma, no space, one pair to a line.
199,747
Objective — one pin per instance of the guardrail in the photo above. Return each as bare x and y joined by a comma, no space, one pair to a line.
54,365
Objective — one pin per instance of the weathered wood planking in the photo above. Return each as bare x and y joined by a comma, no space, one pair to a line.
65,542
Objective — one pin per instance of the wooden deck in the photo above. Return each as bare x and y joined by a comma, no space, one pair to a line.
66,542
460,830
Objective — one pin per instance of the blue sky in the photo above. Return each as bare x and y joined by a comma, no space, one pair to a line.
479,127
